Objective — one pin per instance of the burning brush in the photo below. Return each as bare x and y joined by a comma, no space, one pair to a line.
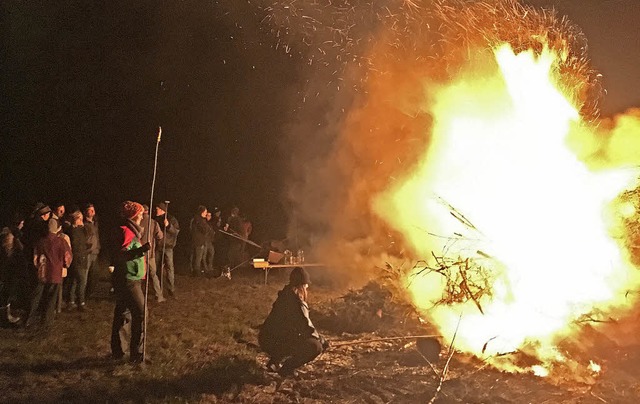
493,107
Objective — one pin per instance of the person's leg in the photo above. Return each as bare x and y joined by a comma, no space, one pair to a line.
73,288
59,300
235,254
208,256
155,281
50,298
83,274
136,305
198,256
276,349
35,303
303,351
168,262
92,276
121,326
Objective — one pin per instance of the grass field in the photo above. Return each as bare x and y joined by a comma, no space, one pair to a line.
201,349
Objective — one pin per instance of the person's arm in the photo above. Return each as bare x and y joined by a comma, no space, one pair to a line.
68,257
157,233
301,321
123,254
202,226
173,227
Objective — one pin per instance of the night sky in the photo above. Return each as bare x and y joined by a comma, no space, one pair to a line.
84,86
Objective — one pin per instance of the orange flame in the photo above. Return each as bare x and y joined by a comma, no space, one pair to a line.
500,185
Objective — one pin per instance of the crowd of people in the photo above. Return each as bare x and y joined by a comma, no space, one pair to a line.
40,276
48,263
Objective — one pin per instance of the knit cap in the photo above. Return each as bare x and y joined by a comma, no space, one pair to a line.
131,209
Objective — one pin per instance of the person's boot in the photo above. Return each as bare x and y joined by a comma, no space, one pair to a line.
286,370
273,365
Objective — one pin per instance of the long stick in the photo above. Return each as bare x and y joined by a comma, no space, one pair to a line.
236,236
164,244
445,370
339,344
146,289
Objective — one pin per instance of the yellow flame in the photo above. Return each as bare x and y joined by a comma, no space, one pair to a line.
498,156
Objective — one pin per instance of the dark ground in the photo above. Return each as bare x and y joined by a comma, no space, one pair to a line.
201,350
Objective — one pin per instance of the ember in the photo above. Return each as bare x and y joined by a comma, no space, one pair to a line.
475,144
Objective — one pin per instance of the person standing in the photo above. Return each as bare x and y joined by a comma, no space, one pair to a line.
236,247
129,270
79,269
12,267
50,255
210,250
57,214
171,228
93,241
152,235
199,236
288,333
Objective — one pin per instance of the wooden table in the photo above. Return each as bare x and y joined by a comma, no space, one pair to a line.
266,266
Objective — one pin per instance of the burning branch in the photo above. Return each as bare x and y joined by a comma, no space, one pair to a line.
445,370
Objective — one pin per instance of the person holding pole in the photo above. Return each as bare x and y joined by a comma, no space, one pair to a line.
153,235
164,256
129,270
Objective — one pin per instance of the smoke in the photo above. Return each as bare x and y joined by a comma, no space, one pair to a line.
369,72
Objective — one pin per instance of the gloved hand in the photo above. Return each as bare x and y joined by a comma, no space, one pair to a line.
325,343
145,247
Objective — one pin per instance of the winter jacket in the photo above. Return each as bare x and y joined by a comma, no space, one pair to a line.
289,319
170,233
200,230
129,258
93,236
156,232
50,255
79,244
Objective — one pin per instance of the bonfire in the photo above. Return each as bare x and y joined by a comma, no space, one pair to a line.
473,146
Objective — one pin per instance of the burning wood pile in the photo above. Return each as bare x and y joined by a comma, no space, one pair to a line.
491,106
373,308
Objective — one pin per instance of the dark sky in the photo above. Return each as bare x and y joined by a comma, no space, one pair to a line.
84,86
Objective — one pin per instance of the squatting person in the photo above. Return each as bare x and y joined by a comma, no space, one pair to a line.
288,335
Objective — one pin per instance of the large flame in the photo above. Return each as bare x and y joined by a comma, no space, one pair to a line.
524,207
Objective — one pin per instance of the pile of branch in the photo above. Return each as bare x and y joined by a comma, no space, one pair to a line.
374,308
629,226
465,280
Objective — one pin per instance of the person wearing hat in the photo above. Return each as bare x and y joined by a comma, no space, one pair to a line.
36,228
287,335
164,256
129,270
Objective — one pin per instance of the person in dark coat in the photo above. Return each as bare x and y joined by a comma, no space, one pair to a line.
236,247
164,257
79,270
210,250
287,335
93,239
12,268
200,231
153,235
